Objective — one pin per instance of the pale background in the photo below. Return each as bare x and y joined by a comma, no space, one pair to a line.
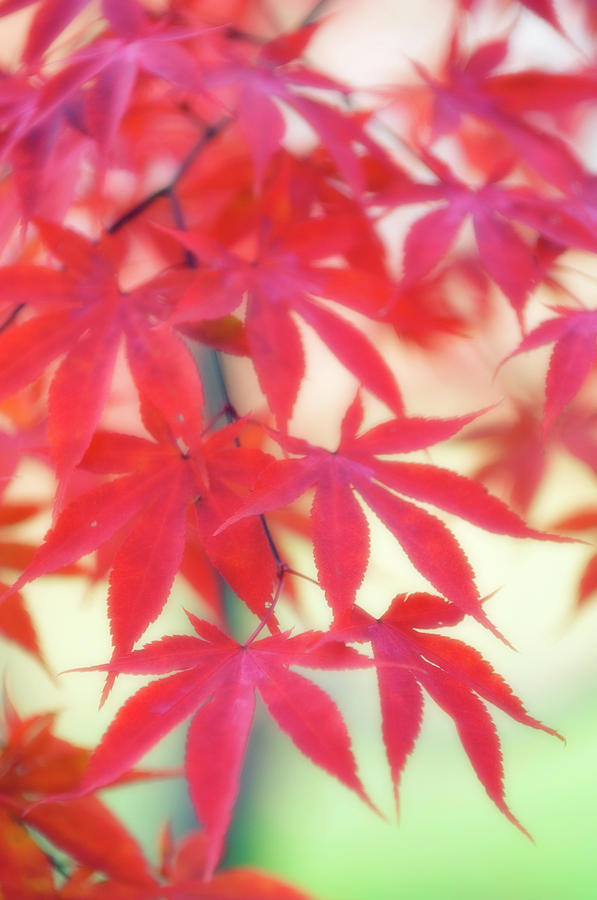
451,841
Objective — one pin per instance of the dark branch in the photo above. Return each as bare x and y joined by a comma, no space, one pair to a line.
208,135
11,317
136,210
229,408
177,214
315,13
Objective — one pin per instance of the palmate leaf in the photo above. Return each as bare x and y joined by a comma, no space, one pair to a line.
124,120
81,316
275,76
91,91
496,210
573,334
53,16
34,764
285,275
181,876
163,491
454,675
459,90
215,683
338,522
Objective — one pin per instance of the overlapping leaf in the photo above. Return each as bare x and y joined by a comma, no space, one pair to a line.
339,528
285,275
161,483
573,333
82,316
181,877
215,680
36,764
454,675
496,211
53,16
459,91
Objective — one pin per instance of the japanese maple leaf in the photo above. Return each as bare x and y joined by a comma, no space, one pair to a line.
573,333
493,207
195,567
181,877
81,316
515,454
282,276
25,870
453,674
44,149
156,50
53,16
38,136
215,680
339,528
275,75
89,94
428,311
459,91
517,450
555,93
35,764
183,865
161,484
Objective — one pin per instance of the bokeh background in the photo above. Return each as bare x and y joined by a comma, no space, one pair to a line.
292,819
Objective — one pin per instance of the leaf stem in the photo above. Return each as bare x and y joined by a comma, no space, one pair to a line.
282,570
226,406
231,416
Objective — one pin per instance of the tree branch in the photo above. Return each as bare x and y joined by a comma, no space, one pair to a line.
208,135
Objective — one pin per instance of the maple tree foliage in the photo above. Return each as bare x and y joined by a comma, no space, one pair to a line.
158,217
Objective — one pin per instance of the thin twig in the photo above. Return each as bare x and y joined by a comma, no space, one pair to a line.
315,13
11,317
269,612
136,210
223,389
166,191
189,257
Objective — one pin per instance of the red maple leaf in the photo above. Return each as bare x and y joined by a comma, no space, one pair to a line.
215,680
339,528
281,275
453,674
261,80
573,333
496,211
53,16
81,316
459,91
181,876
163,482
35,764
